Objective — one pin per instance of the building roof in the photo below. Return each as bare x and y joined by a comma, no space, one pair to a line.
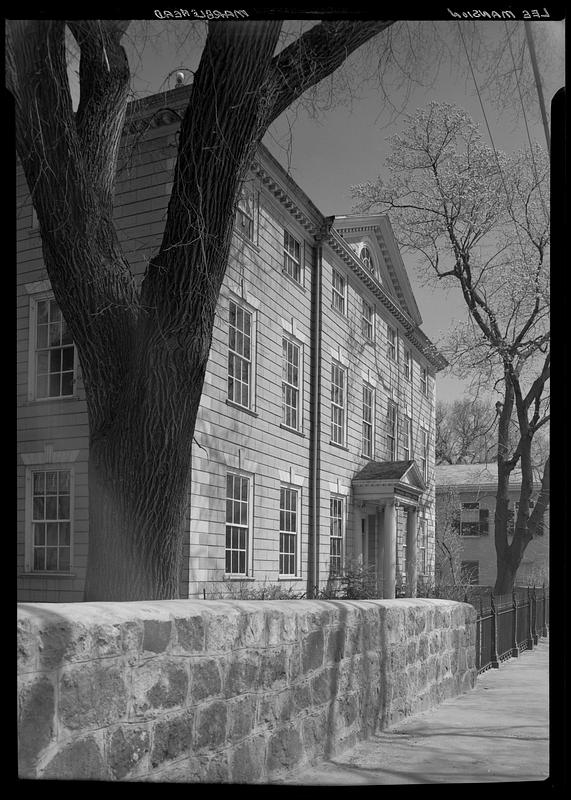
383,471
476,475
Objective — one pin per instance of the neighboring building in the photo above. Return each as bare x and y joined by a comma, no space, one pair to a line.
315,435
466,502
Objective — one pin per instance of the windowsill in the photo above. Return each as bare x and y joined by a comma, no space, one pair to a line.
369,458
292,430
43,400
299,285
369,342
290,578
46,575
342,314
339,446
241,408
244,578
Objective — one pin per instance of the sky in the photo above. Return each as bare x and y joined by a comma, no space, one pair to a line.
347,145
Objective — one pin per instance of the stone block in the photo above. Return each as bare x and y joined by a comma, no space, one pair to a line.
157,685
285,749
211,724
335,645
172,737
106,640
251,629
324,685
273,668
205,677
301,696
132,633
411,651
190,634
241,716
61,641
80,760
157,635
92,695
275,707
317,733
36,724
222,630
242,673
127,746
248,760
423,647
312,651
26,646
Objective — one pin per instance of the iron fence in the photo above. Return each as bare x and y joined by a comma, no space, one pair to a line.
508,624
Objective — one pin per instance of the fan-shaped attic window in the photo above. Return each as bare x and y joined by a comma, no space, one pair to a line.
367,259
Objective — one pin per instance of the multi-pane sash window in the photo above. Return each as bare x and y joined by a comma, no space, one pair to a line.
406,437
392,431
237,523
368,412
338,383
335,535
424,381
474,521
424,453
391,343
55,353
239,355
408,365
367,320
288,530
338,292
292,257
245,214
512,516
51,520
422,546
290,383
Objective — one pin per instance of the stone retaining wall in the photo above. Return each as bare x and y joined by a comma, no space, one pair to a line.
213,691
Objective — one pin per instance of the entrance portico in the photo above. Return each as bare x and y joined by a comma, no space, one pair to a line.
379,489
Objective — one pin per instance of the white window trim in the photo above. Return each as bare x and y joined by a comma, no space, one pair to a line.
250,528
345,371
392,404
41,290
285,252
407,359
255,203
424,381
407,426
373,418
422,546
252,310
335,495
335,292
424,452
296,487
298,343
370,338
53,464
389,344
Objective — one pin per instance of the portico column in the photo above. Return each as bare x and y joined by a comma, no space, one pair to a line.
389,550
411,566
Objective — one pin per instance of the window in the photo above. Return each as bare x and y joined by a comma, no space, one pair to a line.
336,517
422,546
408,365
473,520
245,213
338,292
292,257
406,437
288,530
391,343
290,383
53,355
470,571
239,355
368,417
424,453
392,415
367,320
424,381
51,520
512,517
237,523
367,259
338,383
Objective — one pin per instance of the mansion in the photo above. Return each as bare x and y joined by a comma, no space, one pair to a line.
314,444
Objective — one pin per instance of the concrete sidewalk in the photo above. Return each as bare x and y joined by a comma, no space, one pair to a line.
496,732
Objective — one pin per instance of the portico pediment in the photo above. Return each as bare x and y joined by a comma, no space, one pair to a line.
383,481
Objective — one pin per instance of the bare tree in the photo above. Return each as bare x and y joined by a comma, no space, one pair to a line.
143,353
465,431
479,221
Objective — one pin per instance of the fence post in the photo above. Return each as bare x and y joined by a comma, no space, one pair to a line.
479,635
544,626
535,634
494,648
529,630
515,648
